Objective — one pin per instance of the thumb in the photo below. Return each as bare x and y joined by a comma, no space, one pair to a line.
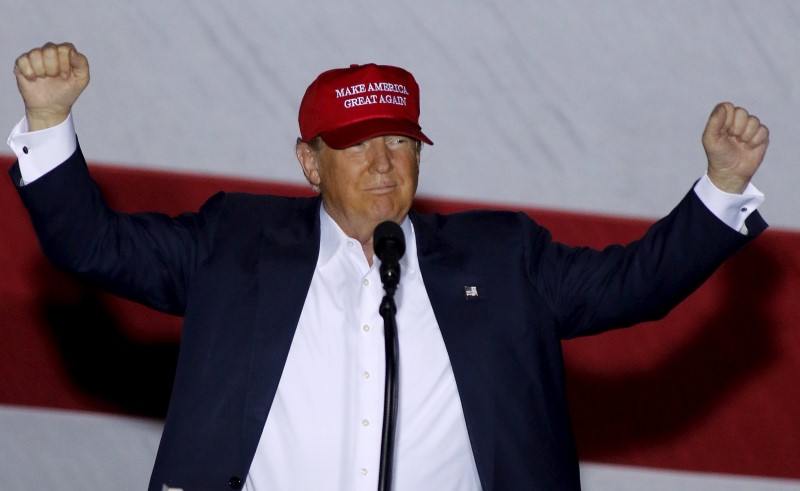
720,120
721,117
79,63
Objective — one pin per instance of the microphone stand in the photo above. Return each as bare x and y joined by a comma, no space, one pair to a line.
387,311
389,247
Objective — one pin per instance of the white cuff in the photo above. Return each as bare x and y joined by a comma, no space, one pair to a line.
39,152
732,209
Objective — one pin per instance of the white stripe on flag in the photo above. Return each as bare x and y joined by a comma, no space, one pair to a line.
66,450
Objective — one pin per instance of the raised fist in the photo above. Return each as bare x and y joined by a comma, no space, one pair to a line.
50,79
735,143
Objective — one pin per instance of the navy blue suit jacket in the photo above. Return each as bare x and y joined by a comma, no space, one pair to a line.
239,270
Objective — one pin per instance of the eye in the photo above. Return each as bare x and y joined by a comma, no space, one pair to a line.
397,140
357,147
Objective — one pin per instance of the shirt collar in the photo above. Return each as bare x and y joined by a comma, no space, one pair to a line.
332,238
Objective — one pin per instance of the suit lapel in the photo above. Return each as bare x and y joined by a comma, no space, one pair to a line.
287,259
467,341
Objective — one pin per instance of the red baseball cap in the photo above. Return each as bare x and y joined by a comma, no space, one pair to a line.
349,105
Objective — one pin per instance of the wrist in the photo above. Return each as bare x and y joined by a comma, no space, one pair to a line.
41,120
729,183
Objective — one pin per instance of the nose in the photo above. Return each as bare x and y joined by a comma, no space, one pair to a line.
380,157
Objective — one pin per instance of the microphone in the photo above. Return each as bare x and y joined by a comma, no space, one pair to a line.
390,245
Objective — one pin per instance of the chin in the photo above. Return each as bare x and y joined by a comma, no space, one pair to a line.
379,215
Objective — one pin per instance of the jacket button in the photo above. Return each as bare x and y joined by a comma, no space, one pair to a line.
235,483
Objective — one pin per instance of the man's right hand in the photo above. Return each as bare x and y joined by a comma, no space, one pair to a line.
50,79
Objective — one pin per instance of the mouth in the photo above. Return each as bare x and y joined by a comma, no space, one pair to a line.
381,188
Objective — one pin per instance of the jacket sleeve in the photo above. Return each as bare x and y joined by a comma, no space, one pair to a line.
145,257
592,291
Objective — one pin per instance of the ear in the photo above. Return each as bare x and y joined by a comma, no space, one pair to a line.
309,162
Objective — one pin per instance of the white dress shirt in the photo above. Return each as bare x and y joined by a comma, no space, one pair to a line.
323,431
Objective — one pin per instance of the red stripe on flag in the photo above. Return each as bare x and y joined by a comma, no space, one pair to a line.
712,387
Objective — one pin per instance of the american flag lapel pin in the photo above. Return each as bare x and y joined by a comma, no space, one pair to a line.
470,292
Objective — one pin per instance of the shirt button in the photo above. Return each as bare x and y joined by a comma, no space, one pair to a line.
366,282
363,471
366,375
365,422
365,328
349,243
25,150
744,210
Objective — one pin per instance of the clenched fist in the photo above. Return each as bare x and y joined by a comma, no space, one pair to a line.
50,79
735,143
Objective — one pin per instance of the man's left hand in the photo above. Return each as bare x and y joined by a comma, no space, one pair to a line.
735,143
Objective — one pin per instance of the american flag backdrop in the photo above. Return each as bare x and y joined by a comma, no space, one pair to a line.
586,115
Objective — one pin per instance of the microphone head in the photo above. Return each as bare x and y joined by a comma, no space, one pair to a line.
388,241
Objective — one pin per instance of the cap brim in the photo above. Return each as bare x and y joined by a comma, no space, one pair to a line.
349,135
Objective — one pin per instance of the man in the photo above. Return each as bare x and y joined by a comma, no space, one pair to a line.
281,346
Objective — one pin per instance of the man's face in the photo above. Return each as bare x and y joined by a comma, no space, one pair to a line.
365,184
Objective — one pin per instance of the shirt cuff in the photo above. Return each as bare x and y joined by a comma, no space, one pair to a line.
732,209
39,152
